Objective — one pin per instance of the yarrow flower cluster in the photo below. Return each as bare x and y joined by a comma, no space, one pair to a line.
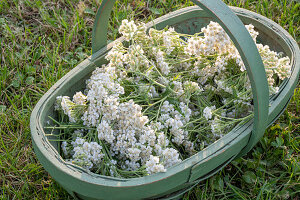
160,99
83,153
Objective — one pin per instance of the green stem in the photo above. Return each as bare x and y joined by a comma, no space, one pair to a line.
153,104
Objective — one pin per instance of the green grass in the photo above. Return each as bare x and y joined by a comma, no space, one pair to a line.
42,40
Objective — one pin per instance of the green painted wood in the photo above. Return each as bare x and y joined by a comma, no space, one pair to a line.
215,162
91,186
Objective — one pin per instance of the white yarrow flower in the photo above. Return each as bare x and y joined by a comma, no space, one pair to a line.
207,112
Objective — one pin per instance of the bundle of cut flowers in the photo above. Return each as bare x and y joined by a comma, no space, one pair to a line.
162,97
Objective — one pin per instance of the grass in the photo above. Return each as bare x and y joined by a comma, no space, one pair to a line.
42,40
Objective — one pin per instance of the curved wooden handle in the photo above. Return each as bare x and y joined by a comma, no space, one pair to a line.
240,37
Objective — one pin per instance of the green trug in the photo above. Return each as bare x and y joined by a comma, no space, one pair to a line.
182,177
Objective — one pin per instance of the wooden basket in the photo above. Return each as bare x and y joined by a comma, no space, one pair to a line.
182,177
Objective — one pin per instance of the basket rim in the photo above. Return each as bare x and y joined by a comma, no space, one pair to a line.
189,162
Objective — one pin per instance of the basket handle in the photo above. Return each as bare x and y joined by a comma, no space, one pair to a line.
240,37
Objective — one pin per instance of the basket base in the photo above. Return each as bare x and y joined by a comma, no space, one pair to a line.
177,195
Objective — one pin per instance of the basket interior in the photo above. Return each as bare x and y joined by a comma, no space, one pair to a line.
75,80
